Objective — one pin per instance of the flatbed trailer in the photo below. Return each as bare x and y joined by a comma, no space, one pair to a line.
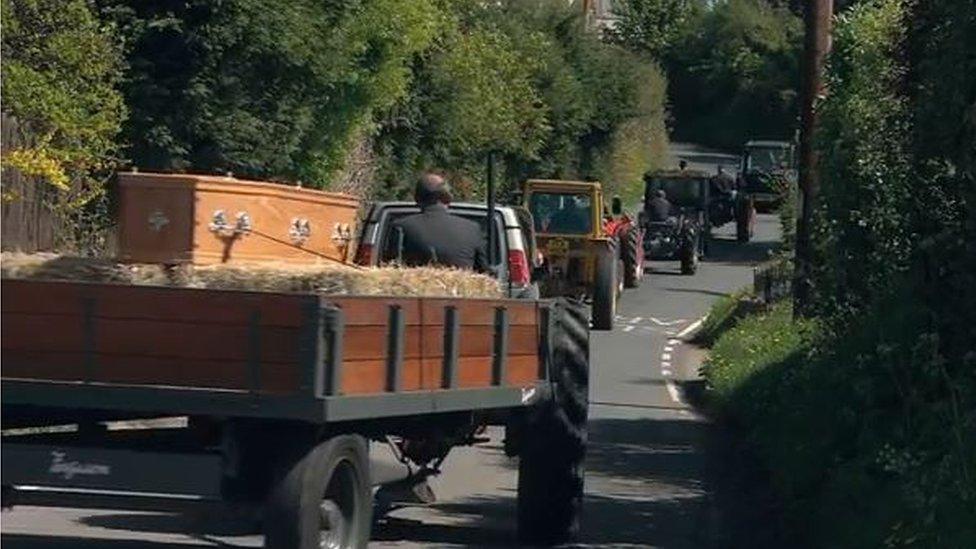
282,394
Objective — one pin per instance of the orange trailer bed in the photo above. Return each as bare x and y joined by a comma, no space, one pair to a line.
290,356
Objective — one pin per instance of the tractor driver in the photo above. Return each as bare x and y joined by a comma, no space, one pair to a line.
659,209
572,218
722,183
434,236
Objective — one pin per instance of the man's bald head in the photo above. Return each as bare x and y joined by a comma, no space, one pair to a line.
431,188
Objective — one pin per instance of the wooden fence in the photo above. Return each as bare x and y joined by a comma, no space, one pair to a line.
27,223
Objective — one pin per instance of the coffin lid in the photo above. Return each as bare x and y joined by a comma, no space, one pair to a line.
233,185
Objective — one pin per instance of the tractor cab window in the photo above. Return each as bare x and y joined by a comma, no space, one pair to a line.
681,192
766,159
562,213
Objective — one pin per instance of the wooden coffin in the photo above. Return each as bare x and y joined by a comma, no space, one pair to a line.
203,219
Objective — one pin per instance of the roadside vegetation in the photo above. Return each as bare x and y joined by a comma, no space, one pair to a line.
864,410
351,96
61,73
723,316
732,65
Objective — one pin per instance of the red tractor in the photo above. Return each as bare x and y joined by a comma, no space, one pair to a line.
629,234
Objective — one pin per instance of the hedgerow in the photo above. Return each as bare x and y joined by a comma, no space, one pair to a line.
549,97
867,422
274,90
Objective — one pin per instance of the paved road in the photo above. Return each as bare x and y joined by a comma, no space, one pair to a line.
645,484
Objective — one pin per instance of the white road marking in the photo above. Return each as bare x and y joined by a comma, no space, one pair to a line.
636,319
668,374
666,322
691,327
628,328
673,391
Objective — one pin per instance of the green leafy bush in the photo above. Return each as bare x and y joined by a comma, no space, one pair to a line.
734,72
650,26
548,96
60,71
863,230
263,89
857,446
866,421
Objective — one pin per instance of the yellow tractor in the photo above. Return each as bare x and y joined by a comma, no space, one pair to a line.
589,251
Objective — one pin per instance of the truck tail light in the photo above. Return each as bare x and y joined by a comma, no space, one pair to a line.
364,255
518,268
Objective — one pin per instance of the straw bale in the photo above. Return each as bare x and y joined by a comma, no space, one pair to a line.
325,278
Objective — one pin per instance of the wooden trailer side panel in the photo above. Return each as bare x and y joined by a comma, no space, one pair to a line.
241,341
369,350
294,346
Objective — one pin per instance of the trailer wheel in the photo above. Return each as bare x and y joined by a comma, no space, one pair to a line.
605,291
324,499
633,258
550,483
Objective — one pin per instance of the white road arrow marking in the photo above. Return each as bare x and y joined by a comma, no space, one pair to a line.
660,322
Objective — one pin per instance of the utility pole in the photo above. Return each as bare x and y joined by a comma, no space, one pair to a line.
818,18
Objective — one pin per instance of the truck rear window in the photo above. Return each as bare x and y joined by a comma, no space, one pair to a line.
389,244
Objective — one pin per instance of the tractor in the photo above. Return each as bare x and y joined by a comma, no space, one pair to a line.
684,233
589,251
768,167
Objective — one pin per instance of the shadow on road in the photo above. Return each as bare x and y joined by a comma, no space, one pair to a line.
643,489
696,291
189,523
24,541
730,252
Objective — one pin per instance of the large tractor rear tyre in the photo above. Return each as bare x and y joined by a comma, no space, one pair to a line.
605,289
745,219
550,482
689,256
633,254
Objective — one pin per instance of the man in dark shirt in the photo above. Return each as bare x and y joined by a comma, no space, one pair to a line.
722,183
658,209
434,236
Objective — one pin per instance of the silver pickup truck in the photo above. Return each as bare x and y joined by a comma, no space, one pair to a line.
512,260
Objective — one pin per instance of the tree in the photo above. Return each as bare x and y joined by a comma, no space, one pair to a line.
650,26
60,70
264,89
734,73
529,80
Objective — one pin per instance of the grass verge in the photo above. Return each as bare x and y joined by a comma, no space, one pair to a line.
723,316
866,443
